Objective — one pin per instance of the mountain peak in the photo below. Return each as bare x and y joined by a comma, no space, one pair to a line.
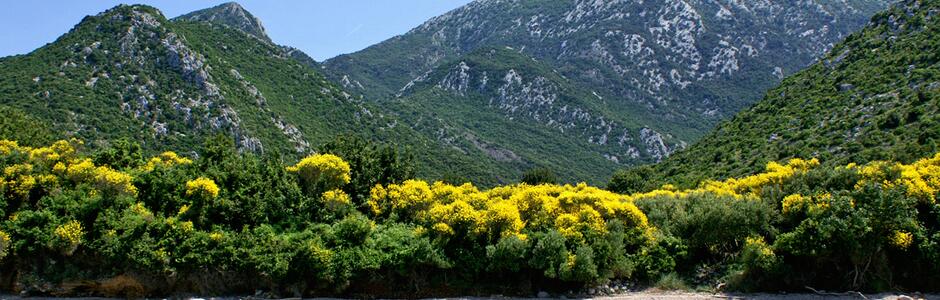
229,14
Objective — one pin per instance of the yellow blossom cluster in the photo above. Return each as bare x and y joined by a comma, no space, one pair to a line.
71,232
61,150
4,244
335,199
202,187
44,166
10,147
111,180
748,187
751,186
329,169
901,239
921,178
141,210
573,210
759,244
797,203
165,160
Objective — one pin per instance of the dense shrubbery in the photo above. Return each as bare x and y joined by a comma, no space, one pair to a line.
231,223
214,223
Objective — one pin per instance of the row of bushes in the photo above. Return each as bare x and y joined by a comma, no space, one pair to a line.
354,222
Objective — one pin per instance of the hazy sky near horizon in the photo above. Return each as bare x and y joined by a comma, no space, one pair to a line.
321,28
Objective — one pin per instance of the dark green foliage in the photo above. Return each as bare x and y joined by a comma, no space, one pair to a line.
539,176
549,253
370,164
122,154
632,180
508,254
16,125
712,227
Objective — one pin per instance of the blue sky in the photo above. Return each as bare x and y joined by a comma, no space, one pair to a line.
321,28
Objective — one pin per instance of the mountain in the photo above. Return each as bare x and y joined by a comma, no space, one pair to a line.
233,15
230,14
876,96
684,64
521,113
169,84
131,72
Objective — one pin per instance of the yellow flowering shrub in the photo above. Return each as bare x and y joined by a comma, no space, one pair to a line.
4,244
113,181
792,203
18,180
444,209
920,179
80,170
335,199
141,210
328,169
58,151
409,198
71,233
8,147
901,239
166,160
202,187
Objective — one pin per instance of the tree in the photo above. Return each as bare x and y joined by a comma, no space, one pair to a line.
539,176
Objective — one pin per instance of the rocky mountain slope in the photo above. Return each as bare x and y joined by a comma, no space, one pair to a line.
130,72
875,96
230,14
520,112
233,15
686,63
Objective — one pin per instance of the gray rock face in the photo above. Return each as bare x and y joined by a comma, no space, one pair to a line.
230,14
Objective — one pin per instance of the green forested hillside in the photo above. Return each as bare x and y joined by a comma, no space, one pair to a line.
17,125
170,84
515,112
875,96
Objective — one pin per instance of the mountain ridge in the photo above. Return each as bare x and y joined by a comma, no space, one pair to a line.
596,43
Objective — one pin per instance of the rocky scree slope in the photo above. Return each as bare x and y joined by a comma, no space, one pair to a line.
876,96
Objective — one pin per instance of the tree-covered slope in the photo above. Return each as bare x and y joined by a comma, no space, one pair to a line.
169,84
686,64
129,72
516,113
873,97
